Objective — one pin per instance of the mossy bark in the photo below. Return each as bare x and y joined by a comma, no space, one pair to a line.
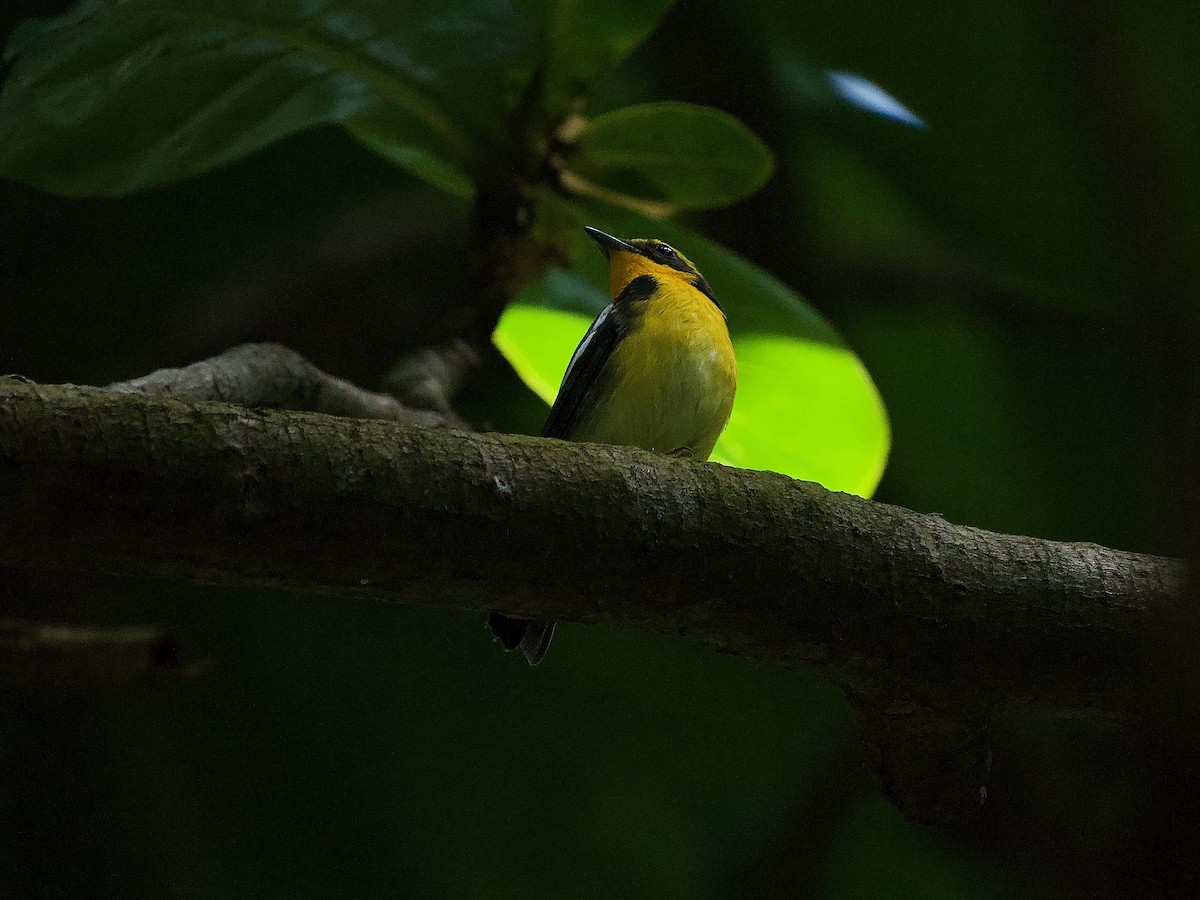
930,626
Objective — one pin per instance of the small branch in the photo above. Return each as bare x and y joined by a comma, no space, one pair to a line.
270,375
430,377
86,655
931,627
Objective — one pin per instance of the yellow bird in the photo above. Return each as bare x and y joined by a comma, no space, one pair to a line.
655,371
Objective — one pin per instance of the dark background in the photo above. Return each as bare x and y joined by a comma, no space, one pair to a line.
1017,277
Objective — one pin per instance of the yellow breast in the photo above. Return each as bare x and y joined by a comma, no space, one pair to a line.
671,380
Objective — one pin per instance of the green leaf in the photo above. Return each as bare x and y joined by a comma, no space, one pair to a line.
117,96
691,157
805,406
1007,168
585,38
397,142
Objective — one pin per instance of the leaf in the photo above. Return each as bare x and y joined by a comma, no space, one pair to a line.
1006,168
397,144
692,157
585,38
809,89
805,406
117,96
870,97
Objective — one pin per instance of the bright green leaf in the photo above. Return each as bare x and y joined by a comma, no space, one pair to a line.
824,390
805,405
691,157
538,342
116,96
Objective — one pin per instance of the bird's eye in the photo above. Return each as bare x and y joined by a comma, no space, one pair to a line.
664,250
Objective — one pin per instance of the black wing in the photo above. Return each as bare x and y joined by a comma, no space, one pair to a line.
591,355
585,365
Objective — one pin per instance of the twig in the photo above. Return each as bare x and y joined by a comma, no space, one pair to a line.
429,378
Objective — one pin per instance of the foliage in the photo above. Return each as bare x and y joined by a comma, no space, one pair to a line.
983,266
439,91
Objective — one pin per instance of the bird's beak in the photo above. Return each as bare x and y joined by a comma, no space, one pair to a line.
608,244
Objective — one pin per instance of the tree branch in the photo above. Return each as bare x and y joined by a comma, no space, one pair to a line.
272,375
430,377
931,627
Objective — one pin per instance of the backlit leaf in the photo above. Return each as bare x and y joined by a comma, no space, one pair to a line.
805,406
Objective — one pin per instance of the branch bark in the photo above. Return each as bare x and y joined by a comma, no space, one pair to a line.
931,627
275,376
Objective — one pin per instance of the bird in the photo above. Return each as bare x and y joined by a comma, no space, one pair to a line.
655,370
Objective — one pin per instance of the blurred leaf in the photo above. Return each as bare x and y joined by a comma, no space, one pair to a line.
692,157
884,856
810,88
805,406
585,38
1005,167
635,758
857,217
112,97
868,96
240,253
990,423
396,144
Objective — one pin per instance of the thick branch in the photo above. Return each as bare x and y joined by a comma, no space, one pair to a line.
753,561
928,625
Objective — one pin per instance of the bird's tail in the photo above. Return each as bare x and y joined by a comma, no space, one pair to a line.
530,636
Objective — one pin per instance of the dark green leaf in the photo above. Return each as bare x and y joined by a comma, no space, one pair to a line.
398,142
1004,169
113,97
584,38
691,157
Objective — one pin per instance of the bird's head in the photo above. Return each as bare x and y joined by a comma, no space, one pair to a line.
627,259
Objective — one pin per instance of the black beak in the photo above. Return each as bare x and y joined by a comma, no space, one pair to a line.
608,244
